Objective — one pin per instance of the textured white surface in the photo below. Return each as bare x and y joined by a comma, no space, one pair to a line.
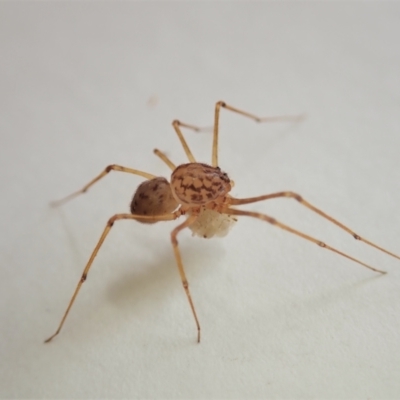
84,85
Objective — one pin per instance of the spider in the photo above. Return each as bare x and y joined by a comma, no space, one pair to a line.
201,193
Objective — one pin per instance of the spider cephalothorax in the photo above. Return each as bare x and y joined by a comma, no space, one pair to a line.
198,183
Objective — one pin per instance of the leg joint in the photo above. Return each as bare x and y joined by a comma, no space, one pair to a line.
295,196
111,221
174,240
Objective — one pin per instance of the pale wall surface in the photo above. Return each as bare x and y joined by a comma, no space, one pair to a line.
84,85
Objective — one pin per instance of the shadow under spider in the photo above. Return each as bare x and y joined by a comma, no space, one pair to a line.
158,277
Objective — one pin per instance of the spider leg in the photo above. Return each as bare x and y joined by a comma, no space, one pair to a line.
281,118
273,221
110,223
98,177
305,203
176,124
178,258
164,158
194,127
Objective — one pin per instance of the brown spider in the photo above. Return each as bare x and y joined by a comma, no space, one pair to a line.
201,193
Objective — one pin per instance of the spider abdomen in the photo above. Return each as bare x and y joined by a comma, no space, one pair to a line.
197,183
153,197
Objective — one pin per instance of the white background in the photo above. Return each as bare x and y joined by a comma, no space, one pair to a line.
84,85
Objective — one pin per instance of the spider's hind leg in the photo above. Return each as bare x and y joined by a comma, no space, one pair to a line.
110,223
107,170
179,263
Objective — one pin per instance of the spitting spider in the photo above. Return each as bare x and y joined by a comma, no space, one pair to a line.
201,193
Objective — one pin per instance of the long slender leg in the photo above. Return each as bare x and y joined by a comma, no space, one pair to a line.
305,203
281,118
178,258
273,221
110,223
163,157
194,127
98,177
176,124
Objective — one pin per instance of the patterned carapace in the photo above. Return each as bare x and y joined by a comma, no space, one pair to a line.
197,183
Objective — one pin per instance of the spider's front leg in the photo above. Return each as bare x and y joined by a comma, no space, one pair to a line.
273,221
177,124
219,104
297,197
